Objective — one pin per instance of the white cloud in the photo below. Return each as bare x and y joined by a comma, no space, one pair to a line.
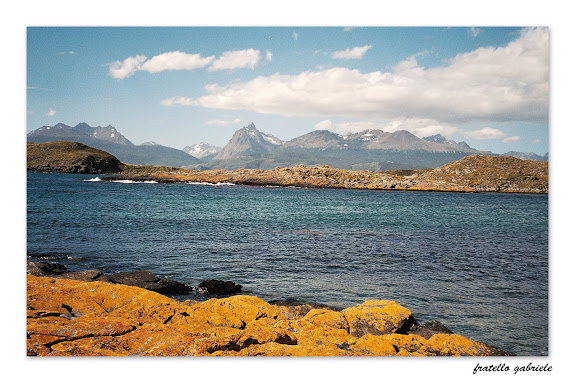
347,29
51,112
247,58
419,127
473,31
512,139
324,125
223,122
295,35
484,134
126,68
537,141
175,61
269,56
508,83
178,100
355,53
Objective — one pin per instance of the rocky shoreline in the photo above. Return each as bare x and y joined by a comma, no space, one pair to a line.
75,314
474,173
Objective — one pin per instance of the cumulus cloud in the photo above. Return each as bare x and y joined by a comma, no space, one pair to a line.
51,112
269,56
485,134
508,83
175,61
126,68
355,53
295,35
512,139
247,58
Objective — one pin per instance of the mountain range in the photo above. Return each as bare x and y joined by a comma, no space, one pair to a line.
110,140
373,149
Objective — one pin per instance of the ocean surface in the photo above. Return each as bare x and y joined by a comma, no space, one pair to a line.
477,262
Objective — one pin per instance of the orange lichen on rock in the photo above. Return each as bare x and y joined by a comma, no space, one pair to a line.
74,318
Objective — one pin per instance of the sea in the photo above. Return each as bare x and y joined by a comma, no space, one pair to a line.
477,262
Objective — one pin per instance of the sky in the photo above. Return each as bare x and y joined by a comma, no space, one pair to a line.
178,86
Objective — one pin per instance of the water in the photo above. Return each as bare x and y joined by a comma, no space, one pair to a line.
476,262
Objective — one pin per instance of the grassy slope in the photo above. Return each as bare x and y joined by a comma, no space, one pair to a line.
68,157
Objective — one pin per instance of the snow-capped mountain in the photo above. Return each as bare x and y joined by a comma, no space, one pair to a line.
439,139
63,132
202,150
249,140
110,140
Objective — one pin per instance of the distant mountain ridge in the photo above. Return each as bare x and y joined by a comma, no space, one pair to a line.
371,149
110,140
528,156
367,150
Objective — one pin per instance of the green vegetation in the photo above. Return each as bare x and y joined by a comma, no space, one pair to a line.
68,157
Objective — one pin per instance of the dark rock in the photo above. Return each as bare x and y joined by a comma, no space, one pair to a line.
134,278
427,330
86,275
145,279
217,287
43,269
296,309
166,286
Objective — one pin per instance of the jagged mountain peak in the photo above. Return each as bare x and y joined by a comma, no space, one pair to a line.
249,140
437,138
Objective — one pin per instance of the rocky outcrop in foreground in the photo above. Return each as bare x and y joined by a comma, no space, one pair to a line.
144,279
76,318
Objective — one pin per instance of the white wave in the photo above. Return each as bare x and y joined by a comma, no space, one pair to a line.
95,179
135,182
211,184
127,182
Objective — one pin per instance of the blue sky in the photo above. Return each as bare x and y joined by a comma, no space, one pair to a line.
487,86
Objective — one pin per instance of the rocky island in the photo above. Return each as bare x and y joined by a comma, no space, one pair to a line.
474,173
69,317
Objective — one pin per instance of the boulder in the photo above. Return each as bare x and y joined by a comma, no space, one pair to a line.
166,286
217,287
42,269
378,317
86,275
149,281
134,278
427,330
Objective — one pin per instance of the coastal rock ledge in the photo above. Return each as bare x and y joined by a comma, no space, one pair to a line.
76,318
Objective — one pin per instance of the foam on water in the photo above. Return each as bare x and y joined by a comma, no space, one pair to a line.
211,183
